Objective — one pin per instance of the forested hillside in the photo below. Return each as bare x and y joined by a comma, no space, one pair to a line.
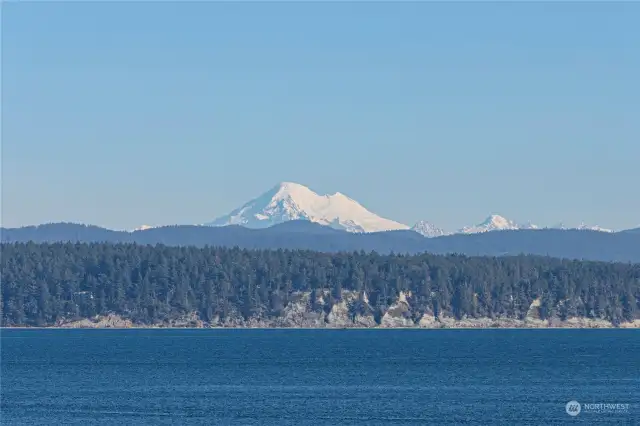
45,283
304,235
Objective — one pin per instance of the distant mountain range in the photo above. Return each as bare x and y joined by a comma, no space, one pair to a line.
303,234
292,216
289,201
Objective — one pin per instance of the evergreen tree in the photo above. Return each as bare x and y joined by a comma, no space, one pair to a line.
45,283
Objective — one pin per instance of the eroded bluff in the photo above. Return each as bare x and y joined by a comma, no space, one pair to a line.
351,310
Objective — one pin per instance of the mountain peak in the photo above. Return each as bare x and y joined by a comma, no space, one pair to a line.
292,201
291,189
428,229
497,220
290,186
494,222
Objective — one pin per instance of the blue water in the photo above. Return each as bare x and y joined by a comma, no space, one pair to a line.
317,377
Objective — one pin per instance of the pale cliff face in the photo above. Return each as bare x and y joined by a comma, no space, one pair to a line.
351,311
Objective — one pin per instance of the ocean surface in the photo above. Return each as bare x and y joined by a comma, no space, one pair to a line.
319,377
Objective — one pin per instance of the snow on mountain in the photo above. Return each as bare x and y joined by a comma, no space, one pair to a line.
142,228
428,229
593,228
292,201
492,223
498,223
528,225
582,226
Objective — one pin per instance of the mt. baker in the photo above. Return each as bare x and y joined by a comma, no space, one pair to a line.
289,201
292,201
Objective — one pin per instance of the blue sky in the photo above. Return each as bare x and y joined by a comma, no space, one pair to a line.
125,114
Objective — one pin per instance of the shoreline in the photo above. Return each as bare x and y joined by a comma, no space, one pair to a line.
336,320
567,327
318,328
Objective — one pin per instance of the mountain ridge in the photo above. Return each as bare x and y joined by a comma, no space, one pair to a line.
567,244
288,201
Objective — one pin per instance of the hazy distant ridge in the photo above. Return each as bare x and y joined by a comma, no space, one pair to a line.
572,244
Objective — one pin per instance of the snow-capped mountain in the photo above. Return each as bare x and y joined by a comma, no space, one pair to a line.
428,229
494,223
594,228
292,201
500,223
582,226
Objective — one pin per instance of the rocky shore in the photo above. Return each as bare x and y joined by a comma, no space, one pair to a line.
352,311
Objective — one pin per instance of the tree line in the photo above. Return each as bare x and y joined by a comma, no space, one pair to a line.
43,283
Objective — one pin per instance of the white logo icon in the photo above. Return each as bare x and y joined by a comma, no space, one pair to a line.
573,408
